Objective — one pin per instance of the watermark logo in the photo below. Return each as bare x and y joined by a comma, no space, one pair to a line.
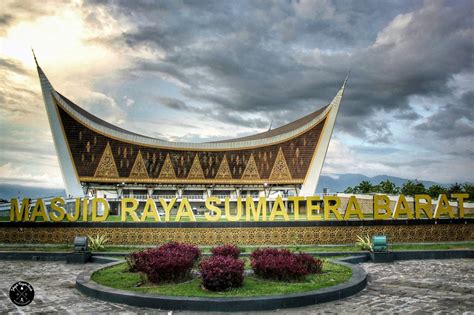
22,293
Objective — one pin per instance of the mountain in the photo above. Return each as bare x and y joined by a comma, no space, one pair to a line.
8,191
339,182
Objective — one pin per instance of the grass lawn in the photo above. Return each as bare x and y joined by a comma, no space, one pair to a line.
120,278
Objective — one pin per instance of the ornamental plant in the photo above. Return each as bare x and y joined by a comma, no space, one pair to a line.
283,265
185,248
313,265
97,243
226,250
365,243
168,263
221,273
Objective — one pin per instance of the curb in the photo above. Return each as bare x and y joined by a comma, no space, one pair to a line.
356,283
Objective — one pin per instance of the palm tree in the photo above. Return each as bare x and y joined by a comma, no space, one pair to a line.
365,187
436,190
387,187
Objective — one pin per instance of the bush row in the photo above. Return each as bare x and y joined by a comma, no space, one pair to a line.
223,270
283,265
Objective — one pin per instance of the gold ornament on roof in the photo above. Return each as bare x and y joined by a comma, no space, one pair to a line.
251,171
224,170
167,171
196,171
280,170
107,167
139,167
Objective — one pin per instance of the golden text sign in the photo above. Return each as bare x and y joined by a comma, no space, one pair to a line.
312,208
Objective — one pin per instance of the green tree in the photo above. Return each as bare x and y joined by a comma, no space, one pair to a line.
349,190
364,187
469,189
435,190
411,188
455,188
387,187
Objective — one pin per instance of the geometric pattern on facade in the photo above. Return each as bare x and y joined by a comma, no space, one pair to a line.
251,170
167,171
280,170
241,235
107,167
196,171
171,165
139,167
224,170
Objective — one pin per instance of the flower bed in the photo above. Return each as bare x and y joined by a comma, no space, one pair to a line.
221,273
120,277
283,265
226,250
167,263
173,262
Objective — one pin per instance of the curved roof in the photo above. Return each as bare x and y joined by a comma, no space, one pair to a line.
263,135
265,138
280,130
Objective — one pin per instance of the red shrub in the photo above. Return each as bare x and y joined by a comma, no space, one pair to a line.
169,262
283,265
268,251
226,250
184,248
168,266
220,273
313,265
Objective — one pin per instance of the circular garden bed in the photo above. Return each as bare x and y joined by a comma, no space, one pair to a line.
118,276
174,276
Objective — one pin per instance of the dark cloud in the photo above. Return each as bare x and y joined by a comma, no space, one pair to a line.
21,10
216,114
175,104
5,19
16,99
454,120
13,66
268,56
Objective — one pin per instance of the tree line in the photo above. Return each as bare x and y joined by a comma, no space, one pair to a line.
410,188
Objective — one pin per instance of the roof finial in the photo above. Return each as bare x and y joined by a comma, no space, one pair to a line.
347,77
34,56
271,123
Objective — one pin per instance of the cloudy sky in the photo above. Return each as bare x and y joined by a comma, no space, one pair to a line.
209,70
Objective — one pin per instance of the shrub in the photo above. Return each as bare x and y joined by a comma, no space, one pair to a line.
365,243
171,265
191,250
227,251
313,265
283,265
97,243
170,262
221,273
268,251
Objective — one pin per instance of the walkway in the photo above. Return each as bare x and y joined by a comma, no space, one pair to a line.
401,287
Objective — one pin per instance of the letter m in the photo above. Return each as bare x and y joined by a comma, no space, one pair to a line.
17,213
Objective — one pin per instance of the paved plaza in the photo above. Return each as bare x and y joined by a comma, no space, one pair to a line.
427,286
